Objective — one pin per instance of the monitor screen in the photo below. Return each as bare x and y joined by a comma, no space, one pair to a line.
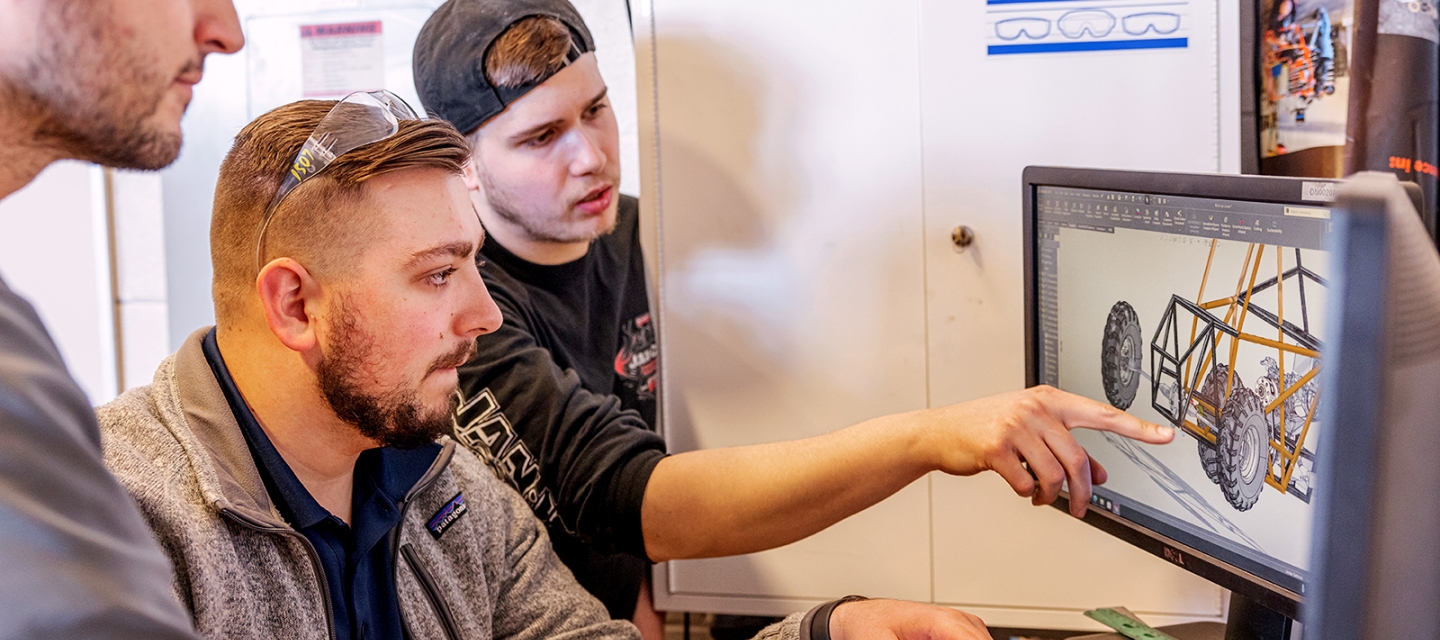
1196,302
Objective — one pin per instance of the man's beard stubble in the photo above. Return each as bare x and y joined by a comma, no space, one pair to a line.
395,418
90,95
539,228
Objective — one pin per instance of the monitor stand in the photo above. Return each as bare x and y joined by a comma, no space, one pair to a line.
1248,620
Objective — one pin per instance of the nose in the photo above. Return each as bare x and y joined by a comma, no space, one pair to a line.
479,315
217,27
589,155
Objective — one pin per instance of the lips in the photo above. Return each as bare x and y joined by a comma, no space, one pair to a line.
189,76
596,202
186,91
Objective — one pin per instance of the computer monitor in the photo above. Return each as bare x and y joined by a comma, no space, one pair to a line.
1196,301
1376,566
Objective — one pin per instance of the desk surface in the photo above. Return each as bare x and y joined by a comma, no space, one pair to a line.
1191,631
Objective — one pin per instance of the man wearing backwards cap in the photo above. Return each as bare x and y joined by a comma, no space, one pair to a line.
561,398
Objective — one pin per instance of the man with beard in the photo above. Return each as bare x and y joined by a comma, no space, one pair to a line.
561,399
103,81
292,460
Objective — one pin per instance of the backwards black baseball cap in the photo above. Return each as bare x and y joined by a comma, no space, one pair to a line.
450,55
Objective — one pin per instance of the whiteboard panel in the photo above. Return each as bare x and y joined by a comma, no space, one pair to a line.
791,278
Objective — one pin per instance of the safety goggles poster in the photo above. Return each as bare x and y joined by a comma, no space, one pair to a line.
1051,26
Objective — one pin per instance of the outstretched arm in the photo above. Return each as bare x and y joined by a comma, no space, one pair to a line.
743,499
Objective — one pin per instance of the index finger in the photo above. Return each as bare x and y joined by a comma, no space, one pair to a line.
1078,412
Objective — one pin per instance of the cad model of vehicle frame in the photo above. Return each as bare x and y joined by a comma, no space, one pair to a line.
1247,437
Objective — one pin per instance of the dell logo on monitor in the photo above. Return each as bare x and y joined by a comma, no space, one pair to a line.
1174,556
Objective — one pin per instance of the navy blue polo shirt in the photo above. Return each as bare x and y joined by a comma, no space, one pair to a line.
359,559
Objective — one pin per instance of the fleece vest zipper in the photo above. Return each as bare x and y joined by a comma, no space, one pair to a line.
310,552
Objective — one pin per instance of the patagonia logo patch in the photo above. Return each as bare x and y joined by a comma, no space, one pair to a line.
446,516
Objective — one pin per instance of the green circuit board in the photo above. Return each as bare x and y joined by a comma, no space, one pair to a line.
1126,625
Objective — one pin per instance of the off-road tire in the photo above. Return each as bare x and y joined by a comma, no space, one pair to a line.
1121,355
1212,388
1209,460
1244,447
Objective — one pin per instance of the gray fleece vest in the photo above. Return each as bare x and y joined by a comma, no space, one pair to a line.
243,572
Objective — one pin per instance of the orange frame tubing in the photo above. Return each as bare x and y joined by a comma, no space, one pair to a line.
1229,315
1292,389
1208,360
1199,432
1239,284
1195,321
1290,459
1287,348
1280,329
1244,313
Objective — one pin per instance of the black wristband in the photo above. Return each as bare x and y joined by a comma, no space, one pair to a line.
816,624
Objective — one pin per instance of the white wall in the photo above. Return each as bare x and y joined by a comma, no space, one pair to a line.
140,285
55,251
57,240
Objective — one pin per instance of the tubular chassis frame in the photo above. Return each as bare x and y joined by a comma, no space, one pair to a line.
1185,370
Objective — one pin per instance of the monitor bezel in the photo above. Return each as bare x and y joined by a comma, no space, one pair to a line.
1343,547
1279,190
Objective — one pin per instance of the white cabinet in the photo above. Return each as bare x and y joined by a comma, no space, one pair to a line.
788,243
812,158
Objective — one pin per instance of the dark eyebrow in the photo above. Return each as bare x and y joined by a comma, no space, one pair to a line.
459,249
535,130
604,91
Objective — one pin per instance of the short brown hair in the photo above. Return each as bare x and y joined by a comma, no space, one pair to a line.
318,223
531,49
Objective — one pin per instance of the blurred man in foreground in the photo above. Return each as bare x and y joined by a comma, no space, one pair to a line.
104,81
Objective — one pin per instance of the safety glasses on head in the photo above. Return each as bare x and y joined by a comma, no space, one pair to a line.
361,118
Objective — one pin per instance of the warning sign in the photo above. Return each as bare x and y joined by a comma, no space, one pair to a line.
338,59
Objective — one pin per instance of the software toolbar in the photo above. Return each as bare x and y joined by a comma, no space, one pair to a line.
1104,211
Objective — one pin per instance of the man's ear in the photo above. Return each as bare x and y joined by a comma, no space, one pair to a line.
287,291
471,174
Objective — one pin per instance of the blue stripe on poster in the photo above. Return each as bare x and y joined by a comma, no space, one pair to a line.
1110,45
